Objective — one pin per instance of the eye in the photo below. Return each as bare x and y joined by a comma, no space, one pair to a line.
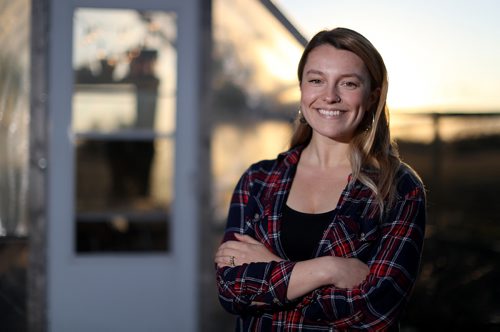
349,84
315,81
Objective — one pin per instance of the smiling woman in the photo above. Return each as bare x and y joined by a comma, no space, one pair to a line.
329,234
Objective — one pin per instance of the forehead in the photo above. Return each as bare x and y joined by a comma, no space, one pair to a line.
326,58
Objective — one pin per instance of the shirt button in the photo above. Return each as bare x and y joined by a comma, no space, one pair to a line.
276,301
256,216
221,282
362,236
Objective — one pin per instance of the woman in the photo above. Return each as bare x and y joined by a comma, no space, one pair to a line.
329,235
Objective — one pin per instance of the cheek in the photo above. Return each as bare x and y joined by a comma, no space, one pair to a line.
304,98
307,96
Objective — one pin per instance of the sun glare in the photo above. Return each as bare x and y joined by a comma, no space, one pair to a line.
438,60
281,60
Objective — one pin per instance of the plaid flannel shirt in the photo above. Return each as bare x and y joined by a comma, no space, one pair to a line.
391,246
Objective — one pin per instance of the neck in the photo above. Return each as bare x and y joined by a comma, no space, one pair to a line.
326,153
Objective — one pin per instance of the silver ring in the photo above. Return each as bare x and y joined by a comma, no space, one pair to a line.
231,261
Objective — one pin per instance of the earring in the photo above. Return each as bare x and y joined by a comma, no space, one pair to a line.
370,125
302,119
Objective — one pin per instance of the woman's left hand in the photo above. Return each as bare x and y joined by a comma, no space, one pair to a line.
244,251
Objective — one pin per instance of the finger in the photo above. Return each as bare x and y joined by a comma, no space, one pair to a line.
235,245
231,251
226,253
219,261
222,264
223,261
246,238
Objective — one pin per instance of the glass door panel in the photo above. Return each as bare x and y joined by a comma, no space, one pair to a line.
123,124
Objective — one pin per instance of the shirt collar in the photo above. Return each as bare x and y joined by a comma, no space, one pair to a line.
292,156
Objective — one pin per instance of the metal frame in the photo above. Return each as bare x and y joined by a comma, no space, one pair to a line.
37,268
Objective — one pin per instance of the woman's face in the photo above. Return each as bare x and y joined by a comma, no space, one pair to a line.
335,92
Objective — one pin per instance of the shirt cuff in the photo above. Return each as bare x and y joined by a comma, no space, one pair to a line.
278,287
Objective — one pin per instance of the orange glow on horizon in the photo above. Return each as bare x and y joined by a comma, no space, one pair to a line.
441,56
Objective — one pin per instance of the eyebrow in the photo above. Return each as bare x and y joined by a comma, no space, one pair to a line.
313,71
318,72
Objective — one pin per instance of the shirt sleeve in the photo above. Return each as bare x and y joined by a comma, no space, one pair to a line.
255,286
377,302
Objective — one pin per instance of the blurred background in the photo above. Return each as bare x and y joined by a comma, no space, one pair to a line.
125,129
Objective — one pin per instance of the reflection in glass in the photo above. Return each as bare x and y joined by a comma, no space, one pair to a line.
256,92
116,101
126,183
119,175
14,164
118,235
14,116
123,121
125,70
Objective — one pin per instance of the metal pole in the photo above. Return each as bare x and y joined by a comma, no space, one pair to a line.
38,163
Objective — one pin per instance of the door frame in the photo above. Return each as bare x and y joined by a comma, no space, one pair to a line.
52,165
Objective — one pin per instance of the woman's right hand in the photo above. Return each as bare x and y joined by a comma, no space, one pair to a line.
325,271
347,272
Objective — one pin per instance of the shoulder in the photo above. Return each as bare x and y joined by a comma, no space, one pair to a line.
270,171
262,167
284,160
408,183
260,172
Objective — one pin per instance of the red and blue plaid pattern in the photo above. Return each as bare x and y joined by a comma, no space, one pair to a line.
391,246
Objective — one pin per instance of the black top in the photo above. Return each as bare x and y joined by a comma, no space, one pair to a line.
301,232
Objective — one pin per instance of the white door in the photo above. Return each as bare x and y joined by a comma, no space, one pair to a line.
123,103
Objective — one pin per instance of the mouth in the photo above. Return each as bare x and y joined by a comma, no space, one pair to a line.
330,113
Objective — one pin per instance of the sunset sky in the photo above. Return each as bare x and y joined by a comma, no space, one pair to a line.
441,55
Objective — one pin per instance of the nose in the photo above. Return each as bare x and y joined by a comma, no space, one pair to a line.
332,96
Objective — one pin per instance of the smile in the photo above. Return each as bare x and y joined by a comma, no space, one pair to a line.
329,113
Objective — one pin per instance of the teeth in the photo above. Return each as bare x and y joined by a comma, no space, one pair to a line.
329,113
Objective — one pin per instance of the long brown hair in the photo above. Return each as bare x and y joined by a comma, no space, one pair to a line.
371,147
